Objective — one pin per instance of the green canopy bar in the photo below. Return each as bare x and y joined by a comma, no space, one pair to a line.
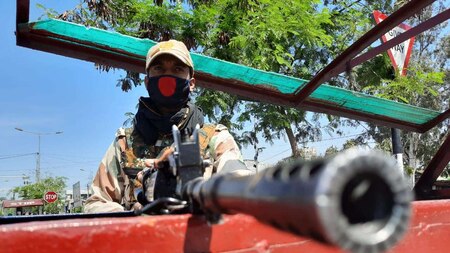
126,52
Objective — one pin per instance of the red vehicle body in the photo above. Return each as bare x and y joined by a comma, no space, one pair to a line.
428,231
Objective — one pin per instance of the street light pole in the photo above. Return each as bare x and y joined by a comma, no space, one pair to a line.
38,160
89,181
38,154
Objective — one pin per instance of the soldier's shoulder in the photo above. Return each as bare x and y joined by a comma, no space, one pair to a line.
209,130
220,127
124,131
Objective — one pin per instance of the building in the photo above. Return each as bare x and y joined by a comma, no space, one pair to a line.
69,203
257,165
308,153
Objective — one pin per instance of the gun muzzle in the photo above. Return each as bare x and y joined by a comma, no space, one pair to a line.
357,200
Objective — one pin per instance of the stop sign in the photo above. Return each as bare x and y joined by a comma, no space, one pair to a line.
50,197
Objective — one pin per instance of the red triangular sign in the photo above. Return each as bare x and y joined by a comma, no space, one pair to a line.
400,53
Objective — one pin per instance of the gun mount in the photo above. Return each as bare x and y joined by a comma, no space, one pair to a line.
356,200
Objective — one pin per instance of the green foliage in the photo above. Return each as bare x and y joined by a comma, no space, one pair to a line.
425,85
265,35
446,172
297,38
286,37
37,191
331,151
48,12
220,107
349,144
77,209
409,170
406,88
371,74
6,212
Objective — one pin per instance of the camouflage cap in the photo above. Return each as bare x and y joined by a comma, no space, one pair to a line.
172,47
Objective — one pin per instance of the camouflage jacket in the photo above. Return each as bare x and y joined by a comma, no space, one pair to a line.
113,189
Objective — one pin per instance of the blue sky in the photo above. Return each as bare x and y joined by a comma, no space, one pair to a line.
42,92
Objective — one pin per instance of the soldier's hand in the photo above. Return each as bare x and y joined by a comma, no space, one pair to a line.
164,156
155,163
136,206
150,163
140,176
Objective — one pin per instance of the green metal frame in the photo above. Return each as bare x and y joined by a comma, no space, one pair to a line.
127,52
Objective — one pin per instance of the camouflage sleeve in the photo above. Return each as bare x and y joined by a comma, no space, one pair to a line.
224,153
107,192
128,157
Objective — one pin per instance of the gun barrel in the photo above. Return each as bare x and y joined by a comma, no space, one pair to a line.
357,200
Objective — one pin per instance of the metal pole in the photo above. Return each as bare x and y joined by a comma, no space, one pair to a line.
397,149
38,160
38,154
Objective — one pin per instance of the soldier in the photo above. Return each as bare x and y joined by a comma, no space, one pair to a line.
169,81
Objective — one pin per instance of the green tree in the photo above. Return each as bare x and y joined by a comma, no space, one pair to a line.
331,151
291,38
426,85
258,34
262,34
37,191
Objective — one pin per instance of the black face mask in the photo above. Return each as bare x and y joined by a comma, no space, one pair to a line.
168,91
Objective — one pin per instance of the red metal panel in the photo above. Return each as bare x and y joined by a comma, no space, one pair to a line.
22,11
177,233
443,116
22,203
429,230
184,233
423,187
38,40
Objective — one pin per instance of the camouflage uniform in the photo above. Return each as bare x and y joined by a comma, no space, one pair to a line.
113,190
